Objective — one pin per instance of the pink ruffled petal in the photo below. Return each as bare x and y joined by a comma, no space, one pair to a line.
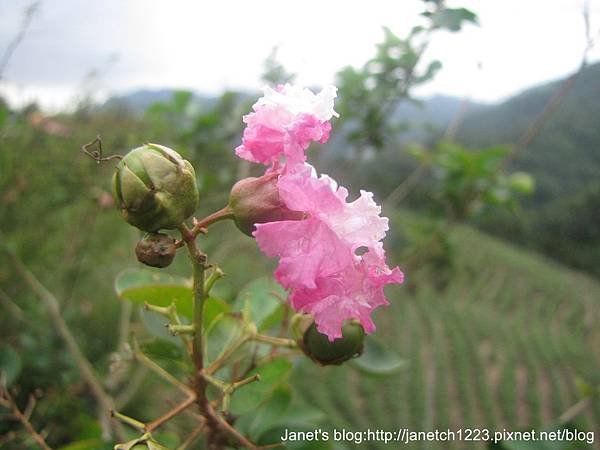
284,123
306,249
318,258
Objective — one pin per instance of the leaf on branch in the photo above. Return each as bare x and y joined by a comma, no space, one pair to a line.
451,18
376,360
272,375
158,289
262,298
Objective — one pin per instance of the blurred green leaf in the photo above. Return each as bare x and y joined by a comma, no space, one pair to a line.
87,444
155,325
161,349
3,114
263,298
214,307
224,330
153,445
296,417
269,413
451,18
377,360
521,182
10,364
181,100
159,289
272,374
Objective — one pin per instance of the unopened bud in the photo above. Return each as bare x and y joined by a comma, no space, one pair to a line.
318,347
155,188
156,250
256,200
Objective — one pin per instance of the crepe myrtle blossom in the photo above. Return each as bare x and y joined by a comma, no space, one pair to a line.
331,258
284,123
319,260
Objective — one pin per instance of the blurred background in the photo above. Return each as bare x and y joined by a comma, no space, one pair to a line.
476,125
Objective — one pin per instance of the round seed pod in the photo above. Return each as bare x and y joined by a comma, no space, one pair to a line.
156,250
318,347
155,188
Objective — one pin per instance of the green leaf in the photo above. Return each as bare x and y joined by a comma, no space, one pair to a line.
181,100
161,349
213,307
155,324
262,298
156,288
296,417
451,18
250,396
87,444
225,330
153,445
377,360
521,182
270,412
10,364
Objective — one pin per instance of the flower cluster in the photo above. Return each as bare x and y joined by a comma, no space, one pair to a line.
331,258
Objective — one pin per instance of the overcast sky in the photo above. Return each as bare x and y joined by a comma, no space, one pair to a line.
209,46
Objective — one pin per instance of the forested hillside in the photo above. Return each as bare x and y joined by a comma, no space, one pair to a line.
561,218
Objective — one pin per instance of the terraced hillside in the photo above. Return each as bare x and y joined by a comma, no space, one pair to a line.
501,347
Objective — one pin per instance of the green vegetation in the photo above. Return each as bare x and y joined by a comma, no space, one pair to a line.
482,353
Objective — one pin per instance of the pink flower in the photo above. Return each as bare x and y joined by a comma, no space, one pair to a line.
284,123
331,258
318,258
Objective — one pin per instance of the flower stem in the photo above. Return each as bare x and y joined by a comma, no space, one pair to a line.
275,341
201,225
216,425
128,420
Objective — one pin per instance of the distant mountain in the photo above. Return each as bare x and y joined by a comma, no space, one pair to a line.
436,110
139,100
562,217
565,155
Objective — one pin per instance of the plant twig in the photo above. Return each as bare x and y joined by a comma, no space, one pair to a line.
192,437
217,426
142,358
554,102
404,188
170,312
575,410
8,402
11,306
275,341
128,420
52,305
131,388
200,226
217,363
12,46
170,414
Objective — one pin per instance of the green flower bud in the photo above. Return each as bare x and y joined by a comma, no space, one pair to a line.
155,188
256,200
318,347
156,250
